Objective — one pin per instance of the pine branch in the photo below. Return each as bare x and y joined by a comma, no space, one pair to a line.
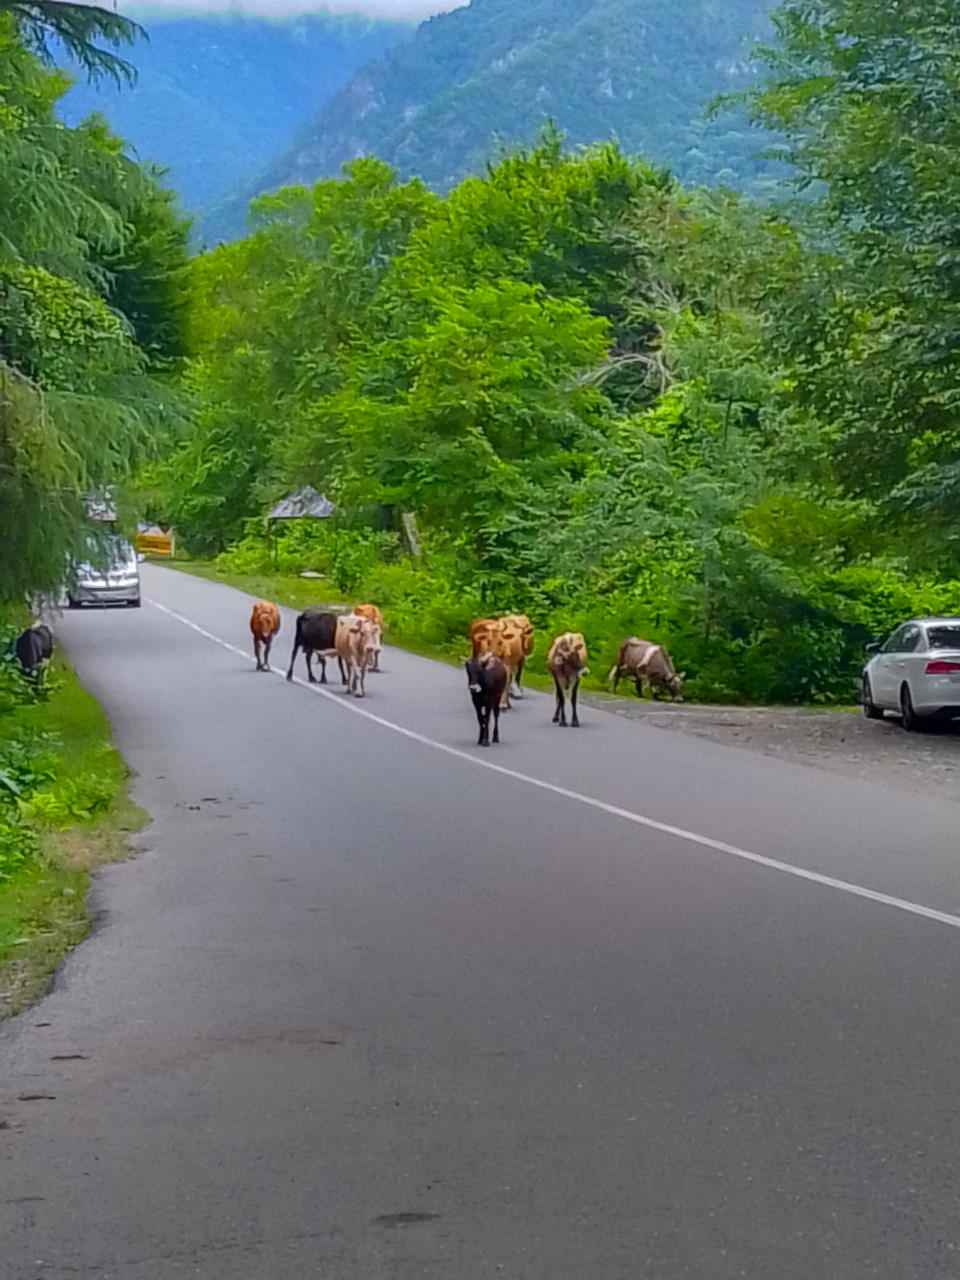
77,27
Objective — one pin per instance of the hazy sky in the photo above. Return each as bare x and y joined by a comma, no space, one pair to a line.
378,8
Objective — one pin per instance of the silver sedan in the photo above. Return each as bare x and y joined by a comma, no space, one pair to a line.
915,672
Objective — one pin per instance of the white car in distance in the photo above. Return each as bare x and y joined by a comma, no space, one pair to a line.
116,580
915,672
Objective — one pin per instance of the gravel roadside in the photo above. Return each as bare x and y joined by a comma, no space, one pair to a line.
839,741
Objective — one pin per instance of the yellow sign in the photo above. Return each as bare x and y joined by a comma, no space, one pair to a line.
155,542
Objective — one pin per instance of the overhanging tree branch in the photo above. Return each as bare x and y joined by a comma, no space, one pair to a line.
77,27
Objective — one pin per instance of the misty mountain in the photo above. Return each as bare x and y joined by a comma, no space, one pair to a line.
217,96
440,104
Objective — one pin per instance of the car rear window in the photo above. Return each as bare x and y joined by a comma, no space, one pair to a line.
944,637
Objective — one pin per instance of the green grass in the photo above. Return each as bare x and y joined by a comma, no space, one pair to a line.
43,908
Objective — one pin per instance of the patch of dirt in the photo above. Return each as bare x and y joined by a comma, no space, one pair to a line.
839,741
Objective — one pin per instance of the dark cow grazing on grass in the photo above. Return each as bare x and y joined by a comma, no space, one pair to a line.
33,649
264,625
316,634
646,662
487,682
566,662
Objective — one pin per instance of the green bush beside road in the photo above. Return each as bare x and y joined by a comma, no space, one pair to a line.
64,810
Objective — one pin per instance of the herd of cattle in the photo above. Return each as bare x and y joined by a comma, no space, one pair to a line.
499,648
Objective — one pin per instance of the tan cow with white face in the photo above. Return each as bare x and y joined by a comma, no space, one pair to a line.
566,662
354,645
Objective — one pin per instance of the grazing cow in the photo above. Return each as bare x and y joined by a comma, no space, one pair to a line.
521,623
33,649
487,682
373,614
566,662
316,634
354,641
646,662
264,625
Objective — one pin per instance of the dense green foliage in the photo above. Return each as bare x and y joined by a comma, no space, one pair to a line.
92,261
869,96
218,96
489,74
39,786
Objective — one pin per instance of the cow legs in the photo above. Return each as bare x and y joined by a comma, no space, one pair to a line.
358,680
560,715
293,658
496,725
613,679
513,686
266,653
483,720
574,722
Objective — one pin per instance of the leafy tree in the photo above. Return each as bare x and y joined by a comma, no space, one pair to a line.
868,96
77,404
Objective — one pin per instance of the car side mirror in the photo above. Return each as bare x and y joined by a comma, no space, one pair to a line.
872,648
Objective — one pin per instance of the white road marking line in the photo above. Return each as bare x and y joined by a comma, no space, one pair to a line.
638,819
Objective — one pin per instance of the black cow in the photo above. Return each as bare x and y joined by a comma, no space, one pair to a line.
316,634
34,648
487,682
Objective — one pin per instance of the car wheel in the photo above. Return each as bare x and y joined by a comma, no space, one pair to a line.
134,604
911,721
73,604
867,705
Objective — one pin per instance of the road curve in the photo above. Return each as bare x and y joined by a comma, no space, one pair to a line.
626,1004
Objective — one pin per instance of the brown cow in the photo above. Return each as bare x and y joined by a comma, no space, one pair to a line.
506,642
375,617
481,633
525,627
264,625
646,663
566,662
354,645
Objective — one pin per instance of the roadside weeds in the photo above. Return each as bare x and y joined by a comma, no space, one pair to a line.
43,906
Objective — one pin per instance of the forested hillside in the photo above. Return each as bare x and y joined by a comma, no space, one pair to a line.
217,96
638,70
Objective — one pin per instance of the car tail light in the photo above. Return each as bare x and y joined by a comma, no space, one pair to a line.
941,667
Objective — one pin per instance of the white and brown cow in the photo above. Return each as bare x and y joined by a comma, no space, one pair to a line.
354,644
647,664
566,662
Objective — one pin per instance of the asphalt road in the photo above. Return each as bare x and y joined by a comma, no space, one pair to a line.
626,1005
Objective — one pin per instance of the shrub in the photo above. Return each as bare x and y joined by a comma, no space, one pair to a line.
75,800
